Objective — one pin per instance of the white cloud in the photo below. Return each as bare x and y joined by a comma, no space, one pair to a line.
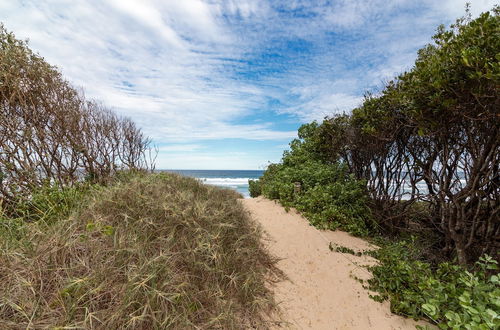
193,71
145,13
455,8
180,148
214,160
247,9
321,104
173,87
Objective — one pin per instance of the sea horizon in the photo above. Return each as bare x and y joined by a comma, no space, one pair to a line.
232,179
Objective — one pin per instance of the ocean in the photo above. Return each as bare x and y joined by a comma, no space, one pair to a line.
234,179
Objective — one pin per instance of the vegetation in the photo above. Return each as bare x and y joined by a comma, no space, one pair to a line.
325,193
84,246
448,295
419,158
51,134
146,252
424,154
254,188
343,249
89,239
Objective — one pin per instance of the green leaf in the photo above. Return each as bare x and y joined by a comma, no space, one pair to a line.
492,313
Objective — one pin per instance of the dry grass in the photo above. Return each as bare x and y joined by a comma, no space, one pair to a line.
149,252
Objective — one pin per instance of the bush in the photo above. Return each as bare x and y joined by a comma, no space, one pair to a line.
421,157
51,134
254,187
51,203
337,205
328,196
432,135
448,295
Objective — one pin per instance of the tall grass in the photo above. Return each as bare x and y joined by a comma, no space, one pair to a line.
147,252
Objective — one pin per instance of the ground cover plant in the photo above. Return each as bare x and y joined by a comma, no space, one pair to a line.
448,294
146,252
418,158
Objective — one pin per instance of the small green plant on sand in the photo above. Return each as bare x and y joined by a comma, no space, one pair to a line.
343,249
448,295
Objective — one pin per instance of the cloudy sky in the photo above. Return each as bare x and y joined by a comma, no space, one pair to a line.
224,84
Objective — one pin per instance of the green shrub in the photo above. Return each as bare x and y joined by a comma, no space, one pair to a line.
447,295
45,206
329,197
341,204
254,187
50,203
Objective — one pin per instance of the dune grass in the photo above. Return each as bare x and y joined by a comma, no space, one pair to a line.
147,252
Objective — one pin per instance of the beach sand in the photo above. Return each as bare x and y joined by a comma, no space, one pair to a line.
320,292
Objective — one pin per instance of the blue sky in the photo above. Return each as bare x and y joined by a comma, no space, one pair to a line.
225,84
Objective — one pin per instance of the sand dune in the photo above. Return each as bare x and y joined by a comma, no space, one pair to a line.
320,292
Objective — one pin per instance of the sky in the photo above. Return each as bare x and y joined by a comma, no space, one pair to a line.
225,84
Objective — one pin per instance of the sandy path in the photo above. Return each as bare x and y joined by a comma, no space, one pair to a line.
320,292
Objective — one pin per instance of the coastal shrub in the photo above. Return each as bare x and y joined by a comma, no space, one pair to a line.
149,251
254,187
432,135
447,294
51,134
420,156
337,205
325,193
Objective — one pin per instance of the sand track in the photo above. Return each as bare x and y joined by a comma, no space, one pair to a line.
320,292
